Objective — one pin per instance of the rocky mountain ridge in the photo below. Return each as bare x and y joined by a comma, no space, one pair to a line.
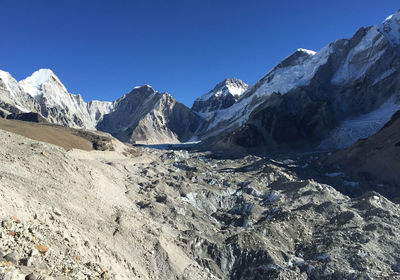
326,99
44,93
145,116
80,205
141,116
312,97
223,96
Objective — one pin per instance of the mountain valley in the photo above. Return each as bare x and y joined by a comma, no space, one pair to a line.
294,177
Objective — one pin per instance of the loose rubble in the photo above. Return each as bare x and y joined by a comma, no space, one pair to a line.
153,214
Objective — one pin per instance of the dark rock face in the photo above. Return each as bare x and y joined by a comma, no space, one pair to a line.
61,114
9,108
306,114
214,103
374,162
180,119
128,110
289,121
248,136
223,96
27,117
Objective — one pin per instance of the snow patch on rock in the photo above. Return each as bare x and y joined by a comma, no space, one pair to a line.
351,70
363,126
390,28
228,86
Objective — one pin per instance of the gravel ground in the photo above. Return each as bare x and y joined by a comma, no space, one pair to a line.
138,213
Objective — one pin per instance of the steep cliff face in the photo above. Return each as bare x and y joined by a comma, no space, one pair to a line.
44,93
142,116
12,97
57,105
326,99
145,116
312,97
373,162
223,96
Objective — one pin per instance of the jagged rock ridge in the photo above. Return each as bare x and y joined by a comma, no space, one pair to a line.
223,96
145,116
330,98
314,96
44,93
142,116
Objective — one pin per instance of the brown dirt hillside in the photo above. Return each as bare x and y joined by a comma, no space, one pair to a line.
67,138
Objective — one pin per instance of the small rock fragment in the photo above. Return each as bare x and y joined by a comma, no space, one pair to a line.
27,261
7,224
11,257
56,211
42,249
161,198
31,276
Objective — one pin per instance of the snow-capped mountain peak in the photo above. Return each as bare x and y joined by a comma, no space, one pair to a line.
390,28
145,86
224,95
33,84
345,79
309,52
44,93
302,98
40,76
235,87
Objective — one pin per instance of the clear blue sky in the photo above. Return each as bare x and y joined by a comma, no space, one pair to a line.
102,49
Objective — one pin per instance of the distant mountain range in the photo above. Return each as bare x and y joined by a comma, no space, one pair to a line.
326,99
